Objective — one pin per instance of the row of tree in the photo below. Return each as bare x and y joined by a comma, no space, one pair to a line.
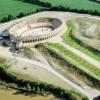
60,8
35,87
98,1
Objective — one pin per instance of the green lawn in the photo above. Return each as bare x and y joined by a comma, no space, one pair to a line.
14,7
78,4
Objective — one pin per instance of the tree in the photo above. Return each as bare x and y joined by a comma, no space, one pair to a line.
20,15
28,87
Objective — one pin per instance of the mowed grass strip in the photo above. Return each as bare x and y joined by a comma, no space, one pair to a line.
74,60
76,4
14,7
67,38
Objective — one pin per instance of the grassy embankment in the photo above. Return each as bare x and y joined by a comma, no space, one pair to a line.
74,59
70,40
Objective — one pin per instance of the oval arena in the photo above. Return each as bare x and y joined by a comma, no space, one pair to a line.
30,32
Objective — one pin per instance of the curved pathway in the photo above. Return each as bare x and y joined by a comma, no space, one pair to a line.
84,90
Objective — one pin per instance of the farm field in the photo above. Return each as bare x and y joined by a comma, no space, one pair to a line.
14,7
76,4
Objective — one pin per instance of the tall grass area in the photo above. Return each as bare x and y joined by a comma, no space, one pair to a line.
14,7
2,60
68,39
74,60
76,4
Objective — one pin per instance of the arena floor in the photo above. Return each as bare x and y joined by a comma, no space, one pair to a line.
37,31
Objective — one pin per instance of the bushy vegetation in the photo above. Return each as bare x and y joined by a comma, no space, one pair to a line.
26,52
69,39
89,70
33,87
38,2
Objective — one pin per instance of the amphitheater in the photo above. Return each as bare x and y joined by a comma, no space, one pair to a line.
29,32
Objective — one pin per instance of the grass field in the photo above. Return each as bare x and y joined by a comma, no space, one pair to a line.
14,7
76,4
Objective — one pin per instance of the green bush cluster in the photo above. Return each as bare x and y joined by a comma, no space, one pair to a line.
62,8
